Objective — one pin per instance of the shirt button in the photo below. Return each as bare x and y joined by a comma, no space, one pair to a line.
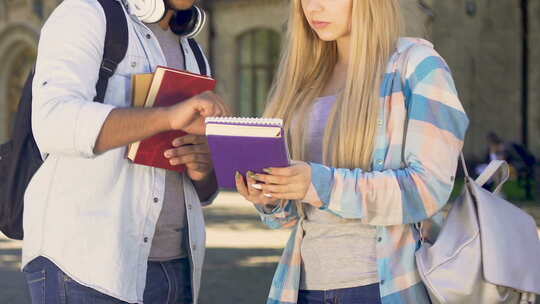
380,122
1,157
190,206
194,247
148,36
133,64
379,239
145,239
380,162
382,282
156,199
452,178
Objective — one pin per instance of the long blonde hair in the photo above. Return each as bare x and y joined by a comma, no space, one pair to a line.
306,66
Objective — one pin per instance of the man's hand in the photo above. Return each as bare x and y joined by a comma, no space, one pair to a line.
127,125
192,151
189,115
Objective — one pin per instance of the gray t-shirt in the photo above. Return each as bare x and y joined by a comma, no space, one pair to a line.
170,239
336,252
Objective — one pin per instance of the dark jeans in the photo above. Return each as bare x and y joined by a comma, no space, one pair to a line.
357,295
166,283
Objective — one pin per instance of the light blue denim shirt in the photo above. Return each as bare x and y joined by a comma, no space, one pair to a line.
95,215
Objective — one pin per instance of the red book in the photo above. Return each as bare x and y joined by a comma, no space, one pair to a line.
169,87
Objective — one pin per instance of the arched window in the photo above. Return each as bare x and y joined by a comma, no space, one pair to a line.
257,60
38,8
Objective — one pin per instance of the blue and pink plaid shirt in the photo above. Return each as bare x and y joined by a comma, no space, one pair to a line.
390,197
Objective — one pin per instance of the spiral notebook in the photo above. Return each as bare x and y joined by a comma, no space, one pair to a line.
245,144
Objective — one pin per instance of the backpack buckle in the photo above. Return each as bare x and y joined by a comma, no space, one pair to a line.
108,67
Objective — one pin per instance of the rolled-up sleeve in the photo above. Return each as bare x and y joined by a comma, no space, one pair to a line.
284,215
65,120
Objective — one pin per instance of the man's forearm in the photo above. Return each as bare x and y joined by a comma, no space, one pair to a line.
127,125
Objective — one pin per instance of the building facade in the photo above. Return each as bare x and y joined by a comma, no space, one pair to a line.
482,40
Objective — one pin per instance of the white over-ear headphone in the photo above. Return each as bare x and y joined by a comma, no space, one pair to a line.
187,23
148,11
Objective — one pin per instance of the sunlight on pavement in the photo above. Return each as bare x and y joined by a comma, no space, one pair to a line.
237,233
259,261
10,258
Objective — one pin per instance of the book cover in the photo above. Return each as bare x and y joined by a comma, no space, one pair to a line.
168,87
245,144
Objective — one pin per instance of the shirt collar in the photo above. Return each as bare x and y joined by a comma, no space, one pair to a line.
406,42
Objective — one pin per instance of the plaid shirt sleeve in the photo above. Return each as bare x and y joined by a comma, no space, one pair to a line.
435,135
285,215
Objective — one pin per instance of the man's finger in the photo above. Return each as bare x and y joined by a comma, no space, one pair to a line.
190,139
187,150
191,158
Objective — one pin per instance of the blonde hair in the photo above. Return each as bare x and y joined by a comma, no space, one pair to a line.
306,66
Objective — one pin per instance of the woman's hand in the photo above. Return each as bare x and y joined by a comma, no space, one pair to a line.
250,192
291,183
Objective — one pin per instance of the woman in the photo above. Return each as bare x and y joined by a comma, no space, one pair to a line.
354,195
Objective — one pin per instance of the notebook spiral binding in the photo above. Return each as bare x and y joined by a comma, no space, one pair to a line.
246,121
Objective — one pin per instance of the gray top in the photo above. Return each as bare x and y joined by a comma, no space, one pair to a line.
170,238
336,252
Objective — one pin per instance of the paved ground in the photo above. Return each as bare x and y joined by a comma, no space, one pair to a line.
240,260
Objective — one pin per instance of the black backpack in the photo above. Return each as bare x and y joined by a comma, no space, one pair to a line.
20,158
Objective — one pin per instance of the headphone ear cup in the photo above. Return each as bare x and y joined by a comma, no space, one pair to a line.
148,11
188,23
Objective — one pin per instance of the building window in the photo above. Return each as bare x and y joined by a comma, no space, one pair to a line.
38,8
258,57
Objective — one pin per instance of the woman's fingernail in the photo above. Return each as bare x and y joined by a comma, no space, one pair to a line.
257,186
250,174
167,153
268,195
237,175
269,171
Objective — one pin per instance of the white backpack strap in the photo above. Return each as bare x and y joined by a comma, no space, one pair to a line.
491,170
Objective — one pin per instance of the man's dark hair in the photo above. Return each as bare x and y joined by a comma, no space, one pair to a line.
494,138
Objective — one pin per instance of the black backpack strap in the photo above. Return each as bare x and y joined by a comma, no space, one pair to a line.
116,44
201,62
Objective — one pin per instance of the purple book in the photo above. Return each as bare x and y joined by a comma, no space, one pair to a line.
245,144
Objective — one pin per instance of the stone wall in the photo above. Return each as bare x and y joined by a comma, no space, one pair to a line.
232,18
534,74
483,49
19,30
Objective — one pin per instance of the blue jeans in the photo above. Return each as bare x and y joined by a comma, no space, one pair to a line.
166,283
357,295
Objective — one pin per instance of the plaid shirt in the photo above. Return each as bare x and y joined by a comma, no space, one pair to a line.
390,197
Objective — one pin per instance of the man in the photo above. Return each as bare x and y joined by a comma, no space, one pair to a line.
99,229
